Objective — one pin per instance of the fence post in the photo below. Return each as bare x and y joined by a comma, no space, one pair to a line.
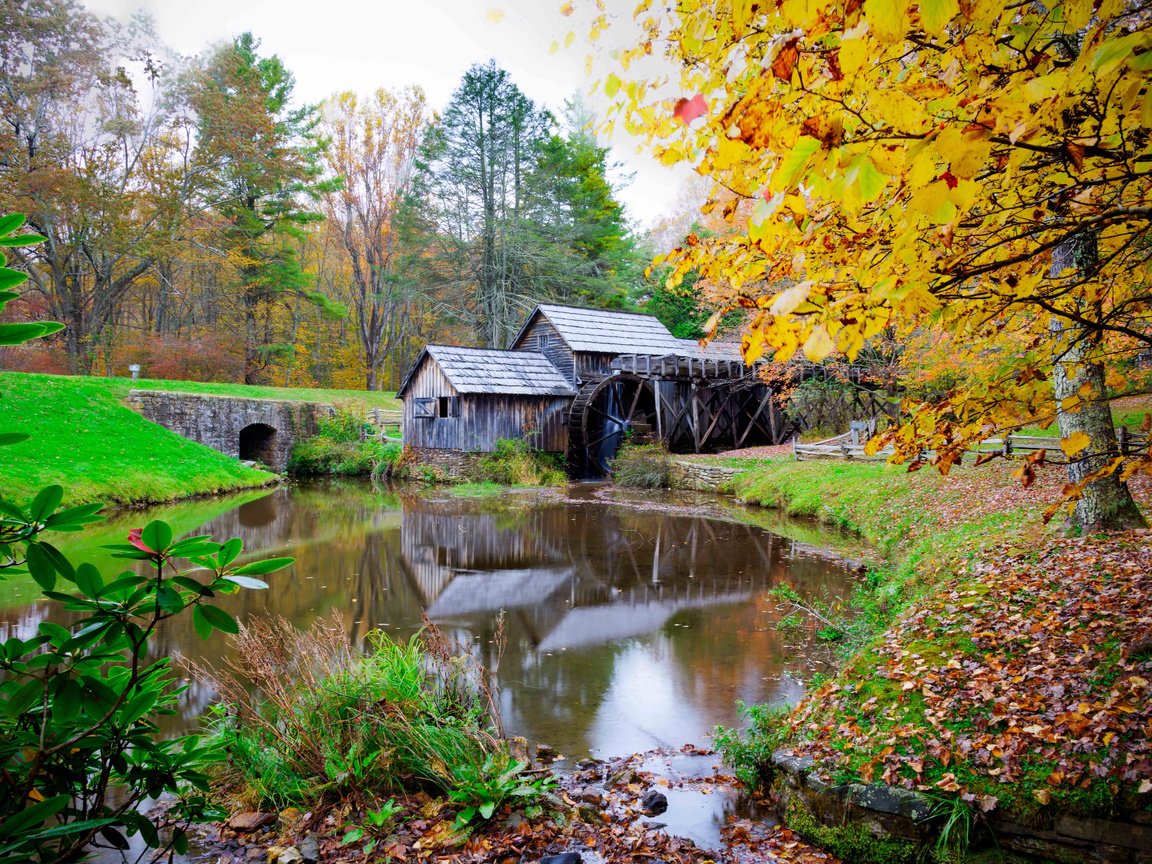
1122,440
1008,445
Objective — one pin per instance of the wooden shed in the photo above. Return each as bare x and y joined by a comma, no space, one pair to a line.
466,399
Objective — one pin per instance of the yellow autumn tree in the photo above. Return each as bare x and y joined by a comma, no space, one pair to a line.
976,167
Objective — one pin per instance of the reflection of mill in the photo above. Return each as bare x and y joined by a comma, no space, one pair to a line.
573,581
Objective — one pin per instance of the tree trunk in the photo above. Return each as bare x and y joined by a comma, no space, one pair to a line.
1078,383
1106,503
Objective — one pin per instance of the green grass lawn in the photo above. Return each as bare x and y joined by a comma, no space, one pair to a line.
364,398
85,439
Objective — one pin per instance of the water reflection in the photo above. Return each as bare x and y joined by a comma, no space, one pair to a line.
626,629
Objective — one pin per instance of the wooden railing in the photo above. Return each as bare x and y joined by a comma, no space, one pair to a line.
382,419
850,445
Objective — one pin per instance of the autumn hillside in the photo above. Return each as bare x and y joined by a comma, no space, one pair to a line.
992,656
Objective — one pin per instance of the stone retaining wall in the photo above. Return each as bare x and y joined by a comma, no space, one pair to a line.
448,464
684,474
893,813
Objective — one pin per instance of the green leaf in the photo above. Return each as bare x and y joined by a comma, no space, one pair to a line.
169,599
190,546
138,706
157,535
188,584
45,502
63,565
352,836
10,278
792,166
247,582
84,514
29,694
22,240
56,634
37,814
229,550
11,222
487,809
259,568
40,566
67,700
201,623
18,334
7,438
89,580
219,619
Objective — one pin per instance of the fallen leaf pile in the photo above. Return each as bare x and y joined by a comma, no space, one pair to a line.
1039,665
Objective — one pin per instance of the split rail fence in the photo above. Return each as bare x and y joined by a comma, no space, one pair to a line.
850,445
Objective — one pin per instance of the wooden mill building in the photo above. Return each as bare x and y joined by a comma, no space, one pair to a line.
579,381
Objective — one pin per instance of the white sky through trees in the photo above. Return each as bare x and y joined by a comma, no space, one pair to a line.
360,45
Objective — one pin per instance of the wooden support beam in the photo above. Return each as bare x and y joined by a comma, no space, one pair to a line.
764,401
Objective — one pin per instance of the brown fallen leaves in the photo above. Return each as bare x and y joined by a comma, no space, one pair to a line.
601,814
1033,679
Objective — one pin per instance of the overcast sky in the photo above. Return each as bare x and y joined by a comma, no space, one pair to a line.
362,45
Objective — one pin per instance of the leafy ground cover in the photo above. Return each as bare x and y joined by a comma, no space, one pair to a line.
992,660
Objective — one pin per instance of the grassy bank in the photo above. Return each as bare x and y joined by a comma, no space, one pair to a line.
84,438
993,663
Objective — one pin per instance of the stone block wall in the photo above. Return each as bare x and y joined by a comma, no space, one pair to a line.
268,427
447,464
683,474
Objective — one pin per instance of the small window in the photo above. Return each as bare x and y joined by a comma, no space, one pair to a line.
424,409
542,341
446,406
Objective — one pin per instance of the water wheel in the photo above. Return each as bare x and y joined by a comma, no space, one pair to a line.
604,413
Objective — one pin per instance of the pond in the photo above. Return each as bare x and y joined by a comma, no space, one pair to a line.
632,621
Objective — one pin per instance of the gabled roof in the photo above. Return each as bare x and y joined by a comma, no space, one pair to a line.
607,331
483,370
714,350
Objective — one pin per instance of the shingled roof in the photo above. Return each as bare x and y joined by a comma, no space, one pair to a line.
483,370
607,331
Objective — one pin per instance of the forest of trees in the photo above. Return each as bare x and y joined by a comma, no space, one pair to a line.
202,222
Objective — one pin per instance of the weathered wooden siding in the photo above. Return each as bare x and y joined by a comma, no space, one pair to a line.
481,419
592,366
484,418
428,381
555,348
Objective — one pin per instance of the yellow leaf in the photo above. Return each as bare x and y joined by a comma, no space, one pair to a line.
611,85
741,14
788,299
819,344
495,15
886,18
1077,13
853,54
935,14
965,153
1075,444
933,202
